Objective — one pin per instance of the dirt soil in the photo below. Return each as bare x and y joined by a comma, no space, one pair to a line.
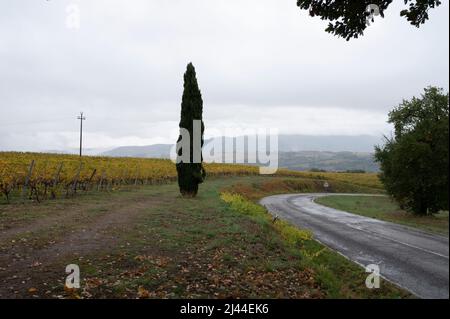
146,243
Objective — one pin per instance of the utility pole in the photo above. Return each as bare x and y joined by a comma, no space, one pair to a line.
81,118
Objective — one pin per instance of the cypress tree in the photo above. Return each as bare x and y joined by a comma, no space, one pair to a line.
190,169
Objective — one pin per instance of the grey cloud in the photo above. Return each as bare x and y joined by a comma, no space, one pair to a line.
124,67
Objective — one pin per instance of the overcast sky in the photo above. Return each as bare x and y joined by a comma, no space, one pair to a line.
260,63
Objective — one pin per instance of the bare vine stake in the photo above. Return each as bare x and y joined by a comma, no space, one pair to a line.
58,173
77,176
126,177
27,180
90,179
56,179
100,184
122,173
137,176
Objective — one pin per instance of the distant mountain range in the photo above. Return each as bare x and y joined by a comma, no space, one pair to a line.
357,144
297,152
151,151
328,161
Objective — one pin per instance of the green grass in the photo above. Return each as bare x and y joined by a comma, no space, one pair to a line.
383,208
335,274
170,247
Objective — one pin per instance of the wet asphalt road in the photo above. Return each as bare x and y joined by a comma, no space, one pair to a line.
415,260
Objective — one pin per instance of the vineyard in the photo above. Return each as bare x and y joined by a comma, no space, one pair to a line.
37,176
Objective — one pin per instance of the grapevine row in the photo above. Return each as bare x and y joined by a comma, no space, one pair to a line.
40,176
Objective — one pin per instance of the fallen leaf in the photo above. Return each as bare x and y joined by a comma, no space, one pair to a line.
143,293
32,290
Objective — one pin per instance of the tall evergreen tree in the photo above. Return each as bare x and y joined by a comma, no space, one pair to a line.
189,162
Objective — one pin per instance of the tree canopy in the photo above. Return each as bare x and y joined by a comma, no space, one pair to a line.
348,18
414,163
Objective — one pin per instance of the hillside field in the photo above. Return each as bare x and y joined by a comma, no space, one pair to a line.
134,236
148,242
40,176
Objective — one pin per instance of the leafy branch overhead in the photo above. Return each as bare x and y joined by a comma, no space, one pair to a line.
348,18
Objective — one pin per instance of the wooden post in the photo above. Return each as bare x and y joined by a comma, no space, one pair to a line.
137,176
100,185
57,174
77,176
122,173
126,177
56,180
27,179
88,187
